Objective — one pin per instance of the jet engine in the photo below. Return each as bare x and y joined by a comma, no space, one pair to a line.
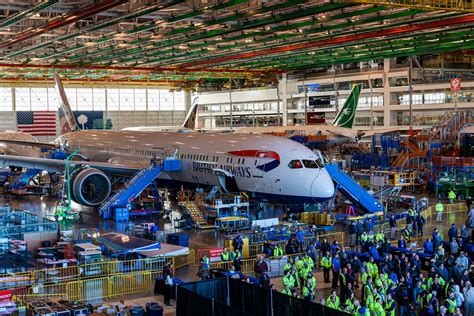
90,187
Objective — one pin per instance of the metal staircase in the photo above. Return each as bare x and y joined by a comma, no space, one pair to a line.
412,151
353,191
196,215
448,127
139,182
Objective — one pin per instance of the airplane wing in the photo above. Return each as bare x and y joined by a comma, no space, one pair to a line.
27,143
53,165
338,131
383,130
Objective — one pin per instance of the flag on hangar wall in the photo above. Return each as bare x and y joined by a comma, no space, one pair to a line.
37,123
89,119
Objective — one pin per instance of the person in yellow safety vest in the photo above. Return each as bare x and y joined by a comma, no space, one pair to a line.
439,208
225,255
303,273
372,268
451,303
294,274
390,305
205,261
277,251
238,254
451,196
372,298
232,255
286,290
298,263
380,237
308,291
332,303
334,300
350,302
360,310
326,263
309,261
288,280
368,288
377,308
311,277
364,238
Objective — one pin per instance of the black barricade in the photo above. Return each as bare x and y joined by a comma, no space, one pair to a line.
191,303
229,297
286,305
250,298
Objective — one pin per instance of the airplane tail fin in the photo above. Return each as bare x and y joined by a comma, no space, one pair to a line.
190,120
345,117
66,116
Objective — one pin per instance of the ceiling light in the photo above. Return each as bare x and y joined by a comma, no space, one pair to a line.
37,15
249,40
300,30
268,28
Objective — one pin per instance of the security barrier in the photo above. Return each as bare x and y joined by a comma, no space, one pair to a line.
257,248
92,289
48,282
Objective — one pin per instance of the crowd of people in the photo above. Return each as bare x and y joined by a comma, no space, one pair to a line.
392,279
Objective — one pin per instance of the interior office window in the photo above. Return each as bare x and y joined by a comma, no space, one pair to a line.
113,100
98,99
140,99
127,100
53,100
179,100
6,99
22,99
71,94
39,99
153,99
166,100
85,101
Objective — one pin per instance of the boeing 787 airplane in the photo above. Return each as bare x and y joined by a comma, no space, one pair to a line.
273,168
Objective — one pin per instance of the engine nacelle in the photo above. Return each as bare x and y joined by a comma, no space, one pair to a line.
90,187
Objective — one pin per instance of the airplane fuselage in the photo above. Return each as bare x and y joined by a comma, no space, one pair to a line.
258,163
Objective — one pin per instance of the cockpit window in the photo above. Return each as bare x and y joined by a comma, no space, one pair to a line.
319,163
295,164
313,164
310,164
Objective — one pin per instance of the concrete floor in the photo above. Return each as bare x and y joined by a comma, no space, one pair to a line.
44,206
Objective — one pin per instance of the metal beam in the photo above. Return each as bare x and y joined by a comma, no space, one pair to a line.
336,40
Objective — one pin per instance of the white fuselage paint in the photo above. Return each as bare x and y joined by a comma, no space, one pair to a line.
16,149
200,153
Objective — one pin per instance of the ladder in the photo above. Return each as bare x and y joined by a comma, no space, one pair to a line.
135,185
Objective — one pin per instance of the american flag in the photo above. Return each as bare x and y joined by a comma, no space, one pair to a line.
37,123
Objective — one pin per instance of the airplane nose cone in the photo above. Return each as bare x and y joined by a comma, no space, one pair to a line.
322,187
